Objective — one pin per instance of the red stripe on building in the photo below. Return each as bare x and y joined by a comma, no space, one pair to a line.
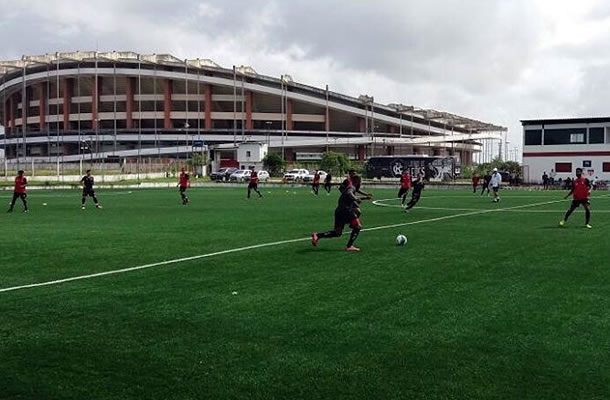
130,102
67,101
208,107
42,106
568,154
167,104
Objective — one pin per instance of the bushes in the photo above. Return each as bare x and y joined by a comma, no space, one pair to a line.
335,163
274,164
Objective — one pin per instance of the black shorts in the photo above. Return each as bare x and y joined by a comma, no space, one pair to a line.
253,186
344,216
578,203
88,192
403,191
16,196
496,189
182,189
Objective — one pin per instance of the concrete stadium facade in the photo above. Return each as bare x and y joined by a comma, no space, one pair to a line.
123,105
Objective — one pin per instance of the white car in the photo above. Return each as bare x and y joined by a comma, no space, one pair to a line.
309,178
241,175
296,175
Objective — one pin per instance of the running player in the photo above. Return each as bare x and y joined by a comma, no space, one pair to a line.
405,185
87,183
349,181
253,184
475,182
315,186
328,183
347,212
486,180
494,182
418,187
184,183
20,191
581,190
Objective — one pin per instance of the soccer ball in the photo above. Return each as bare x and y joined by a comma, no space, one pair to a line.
401,240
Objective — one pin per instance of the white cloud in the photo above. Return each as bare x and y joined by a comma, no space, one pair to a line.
493,60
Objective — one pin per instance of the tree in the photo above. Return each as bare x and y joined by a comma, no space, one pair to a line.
335,163
274,163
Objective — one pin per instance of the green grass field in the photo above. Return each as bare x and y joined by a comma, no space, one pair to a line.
487,304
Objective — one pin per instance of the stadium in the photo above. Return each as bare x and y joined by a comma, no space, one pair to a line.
124,105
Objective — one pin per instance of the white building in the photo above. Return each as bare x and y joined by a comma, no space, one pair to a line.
251,155
562,145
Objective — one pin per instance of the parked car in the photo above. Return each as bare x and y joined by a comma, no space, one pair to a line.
222,174
241,175
295,175
309,178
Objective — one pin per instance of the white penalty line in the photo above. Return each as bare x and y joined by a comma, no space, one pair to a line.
253,247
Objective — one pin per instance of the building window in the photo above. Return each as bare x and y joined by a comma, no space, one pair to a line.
533,137
564,136
564,167
596,135
586,164
606,167
577,138
248,154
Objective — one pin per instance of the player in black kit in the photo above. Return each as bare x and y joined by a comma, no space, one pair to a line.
347,212
87,183
328,183
418,186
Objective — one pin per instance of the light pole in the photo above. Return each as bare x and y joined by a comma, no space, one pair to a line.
268,124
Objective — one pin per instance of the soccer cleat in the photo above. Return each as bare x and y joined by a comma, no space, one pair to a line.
352,249
562,223
98,206
82,208
314,239
25,211
588,226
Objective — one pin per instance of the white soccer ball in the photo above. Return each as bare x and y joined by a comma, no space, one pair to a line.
401,240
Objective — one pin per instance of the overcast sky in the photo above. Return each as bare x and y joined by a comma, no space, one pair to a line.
495,60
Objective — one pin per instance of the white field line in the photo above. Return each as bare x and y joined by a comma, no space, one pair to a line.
478,209
257,246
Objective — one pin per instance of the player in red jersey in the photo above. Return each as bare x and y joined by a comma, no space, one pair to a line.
581,190
315,186
253,184
20,191
405,185
475,182
184,183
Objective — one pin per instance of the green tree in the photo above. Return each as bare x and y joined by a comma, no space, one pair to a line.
274,163
335,163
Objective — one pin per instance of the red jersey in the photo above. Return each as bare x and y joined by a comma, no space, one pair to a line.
405,181
316,178
581,188
20,183
254,177
184,180
475,181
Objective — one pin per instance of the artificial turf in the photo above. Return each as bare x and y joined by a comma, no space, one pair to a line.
488,305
